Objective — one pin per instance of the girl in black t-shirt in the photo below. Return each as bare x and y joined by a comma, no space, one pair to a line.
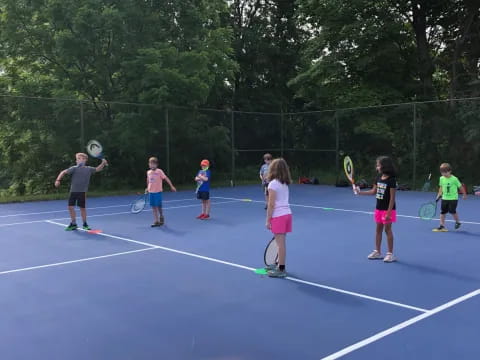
385,211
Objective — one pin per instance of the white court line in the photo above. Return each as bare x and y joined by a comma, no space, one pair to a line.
112,214
335,209
253,269
75,261
400,326
88,209
106,235
358,295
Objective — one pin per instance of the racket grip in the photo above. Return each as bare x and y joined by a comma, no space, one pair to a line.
355,189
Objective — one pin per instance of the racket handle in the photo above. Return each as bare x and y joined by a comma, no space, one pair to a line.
355,189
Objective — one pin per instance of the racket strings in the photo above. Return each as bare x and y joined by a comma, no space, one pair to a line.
138,205
427,211
271,254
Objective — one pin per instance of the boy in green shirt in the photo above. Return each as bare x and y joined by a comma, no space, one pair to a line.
448,191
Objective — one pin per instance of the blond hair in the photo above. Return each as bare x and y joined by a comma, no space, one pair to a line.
85,156
279,170
445,167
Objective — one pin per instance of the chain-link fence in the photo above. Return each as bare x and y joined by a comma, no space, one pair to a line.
39,137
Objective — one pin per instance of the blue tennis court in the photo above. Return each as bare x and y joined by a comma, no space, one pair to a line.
188,290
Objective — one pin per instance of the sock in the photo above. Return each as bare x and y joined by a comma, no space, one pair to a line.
281,267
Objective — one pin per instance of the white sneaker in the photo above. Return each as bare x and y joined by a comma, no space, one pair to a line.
375,255
389,258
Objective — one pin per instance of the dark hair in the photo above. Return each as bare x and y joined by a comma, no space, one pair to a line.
279,170
386,166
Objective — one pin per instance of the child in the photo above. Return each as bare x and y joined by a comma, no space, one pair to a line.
448,191
385,212
267,158
279,215
78,189
155,177
203,193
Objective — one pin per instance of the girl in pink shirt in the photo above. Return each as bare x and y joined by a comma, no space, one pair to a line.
279,215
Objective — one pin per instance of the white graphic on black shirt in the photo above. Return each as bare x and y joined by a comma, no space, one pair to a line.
381,188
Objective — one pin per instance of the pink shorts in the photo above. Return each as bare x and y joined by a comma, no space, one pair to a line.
380,216
282,224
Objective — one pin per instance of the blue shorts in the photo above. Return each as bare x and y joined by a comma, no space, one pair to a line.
155,199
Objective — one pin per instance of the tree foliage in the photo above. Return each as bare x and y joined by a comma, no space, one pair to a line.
273,56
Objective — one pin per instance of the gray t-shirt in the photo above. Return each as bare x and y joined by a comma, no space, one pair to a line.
80,177
263,171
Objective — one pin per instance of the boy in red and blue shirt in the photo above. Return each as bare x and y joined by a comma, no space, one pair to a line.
203,192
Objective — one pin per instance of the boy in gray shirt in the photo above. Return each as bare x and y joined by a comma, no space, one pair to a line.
78,189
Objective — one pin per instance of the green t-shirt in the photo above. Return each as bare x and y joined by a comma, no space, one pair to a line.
450,186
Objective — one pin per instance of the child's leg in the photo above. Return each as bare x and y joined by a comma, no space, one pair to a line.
160,211
389,232
207,207
73,215
155,214
453,210
442,219
83,211
282,250
378,237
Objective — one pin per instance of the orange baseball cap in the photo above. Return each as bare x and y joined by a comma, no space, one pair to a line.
205,162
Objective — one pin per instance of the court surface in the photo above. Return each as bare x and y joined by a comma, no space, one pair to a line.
188,290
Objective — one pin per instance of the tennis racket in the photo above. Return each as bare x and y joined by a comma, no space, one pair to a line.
95,149
348,167
426,186
139,204
429,210
270,256
200,182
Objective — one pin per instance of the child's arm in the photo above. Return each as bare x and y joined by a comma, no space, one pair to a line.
59,177
463,191
101,166
372,191
201,177
271,203
391,203
170,184
440,193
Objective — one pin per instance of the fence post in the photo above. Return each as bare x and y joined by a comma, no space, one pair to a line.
232,144
337,145
82,127
414,145
282,124
167,141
